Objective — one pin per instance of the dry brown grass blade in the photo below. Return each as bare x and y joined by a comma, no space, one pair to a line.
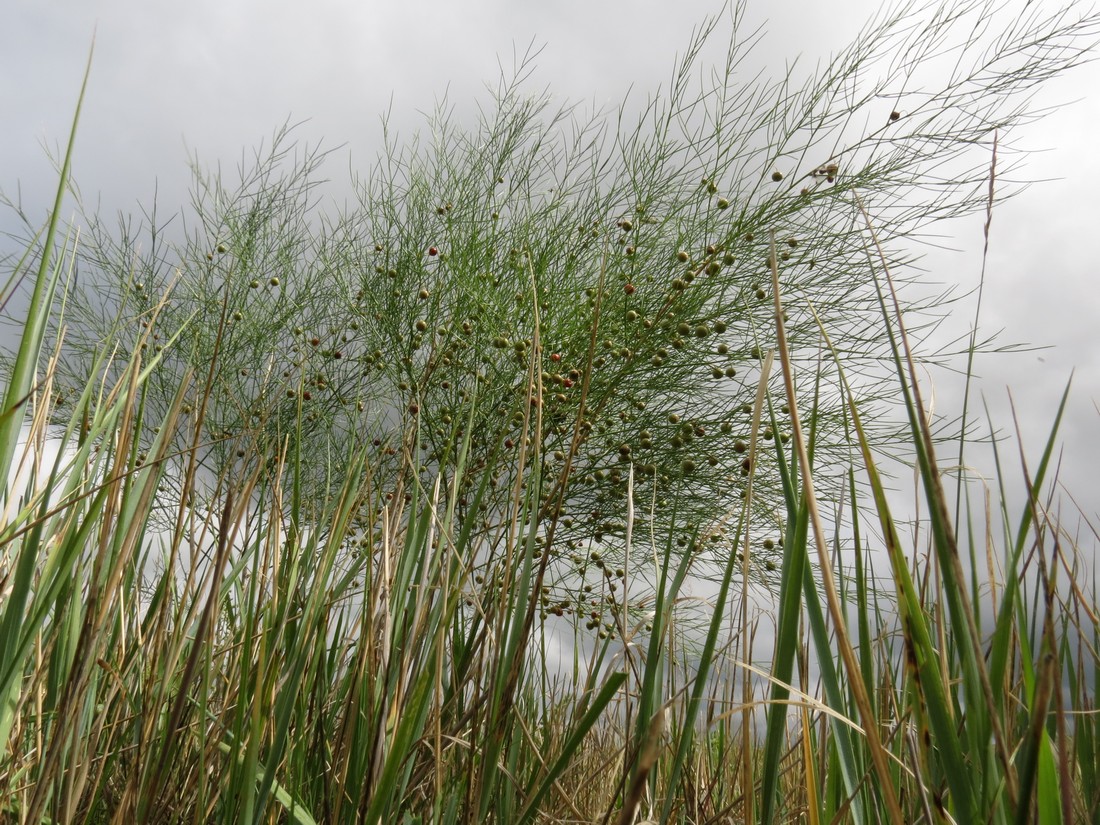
647,758
828,578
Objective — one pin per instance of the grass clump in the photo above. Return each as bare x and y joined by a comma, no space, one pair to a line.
333,485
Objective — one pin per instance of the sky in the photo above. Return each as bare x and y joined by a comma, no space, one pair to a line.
213,79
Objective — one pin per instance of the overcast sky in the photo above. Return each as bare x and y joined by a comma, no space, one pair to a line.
215,77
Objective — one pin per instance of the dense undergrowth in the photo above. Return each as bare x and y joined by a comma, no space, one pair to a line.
396,513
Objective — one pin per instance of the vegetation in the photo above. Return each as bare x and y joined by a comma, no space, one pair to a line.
394,514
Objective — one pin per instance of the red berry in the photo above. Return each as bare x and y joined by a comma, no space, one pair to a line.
555,357
433,251
629,289
567,382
